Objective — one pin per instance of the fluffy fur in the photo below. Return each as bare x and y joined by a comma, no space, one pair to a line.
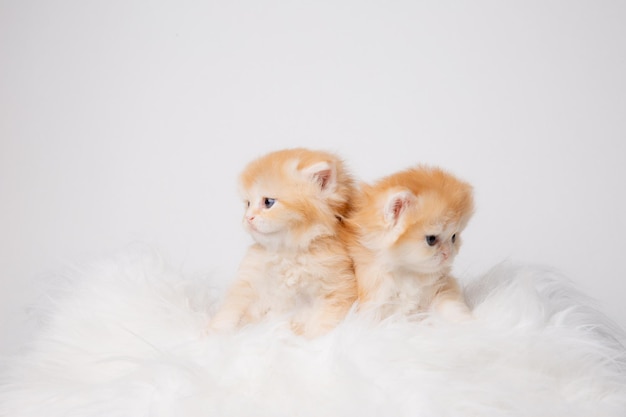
409,228
125,337
295,202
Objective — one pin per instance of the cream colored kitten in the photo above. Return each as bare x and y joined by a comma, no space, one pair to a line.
299,268
409,228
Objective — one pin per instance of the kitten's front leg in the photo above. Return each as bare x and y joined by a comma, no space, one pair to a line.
234,308
449,302
369,282
328,313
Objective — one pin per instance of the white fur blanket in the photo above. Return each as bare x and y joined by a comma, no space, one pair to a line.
126,338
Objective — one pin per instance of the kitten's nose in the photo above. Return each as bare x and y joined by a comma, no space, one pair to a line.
250,218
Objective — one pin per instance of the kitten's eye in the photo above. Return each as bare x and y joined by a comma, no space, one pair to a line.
268,202
431,240
454,238
247,203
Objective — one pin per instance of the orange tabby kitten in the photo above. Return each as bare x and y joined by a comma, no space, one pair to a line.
299,266
409,228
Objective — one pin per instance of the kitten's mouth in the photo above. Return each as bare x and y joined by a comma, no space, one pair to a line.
253,229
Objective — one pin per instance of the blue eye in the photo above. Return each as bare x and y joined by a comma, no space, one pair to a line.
431,240
454,238
268,202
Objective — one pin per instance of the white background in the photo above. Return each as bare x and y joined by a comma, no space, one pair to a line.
128,121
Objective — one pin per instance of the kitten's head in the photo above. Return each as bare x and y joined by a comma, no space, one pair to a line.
413,219
292,196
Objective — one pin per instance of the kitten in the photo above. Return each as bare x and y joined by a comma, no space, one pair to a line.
409,228
299,266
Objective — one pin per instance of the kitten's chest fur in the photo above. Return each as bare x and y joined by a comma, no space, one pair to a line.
292,273
406,292
288,282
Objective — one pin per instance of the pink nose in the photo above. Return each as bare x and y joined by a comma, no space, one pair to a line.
250,219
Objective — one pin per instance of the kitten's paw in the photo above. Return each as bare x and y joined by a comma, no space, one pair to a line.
217,326
456,312
297,327
461,316
210,330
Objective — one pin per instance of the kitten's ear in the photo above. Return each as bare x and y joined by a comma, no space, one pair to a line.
322,173
397,203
